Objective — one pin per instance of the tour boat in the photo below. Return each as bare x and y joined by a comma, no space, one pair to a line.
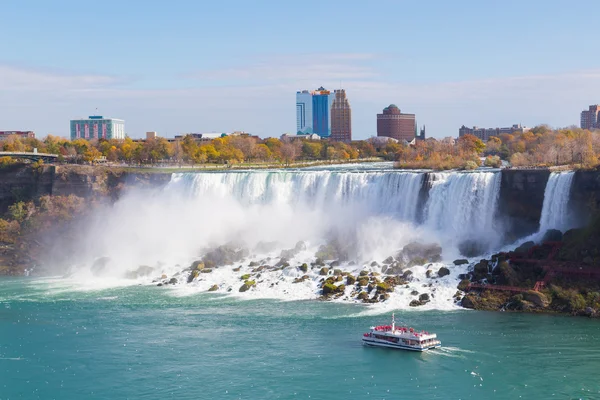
400,338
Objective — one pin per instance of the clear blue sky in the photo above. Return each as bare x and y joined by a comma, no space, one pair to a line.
196,66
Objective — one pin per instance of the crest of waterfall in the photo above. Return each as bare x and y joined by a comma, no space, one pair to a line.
374,193
463,205
555,210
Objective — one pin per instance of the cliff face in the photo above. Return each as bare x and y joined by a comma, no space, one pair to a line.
22,183
521,200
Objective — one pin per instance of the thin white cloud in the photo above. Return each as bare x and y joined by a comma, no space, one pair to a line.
26,79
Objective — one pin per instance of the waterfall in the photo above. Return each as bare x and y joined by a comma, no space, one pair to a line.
379,193
463,205
555,211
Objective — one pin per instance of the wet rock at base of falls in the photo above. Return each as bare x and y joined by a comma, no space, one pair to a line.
467,302
552,235
304,267
525,247
193,275
415,303
461,261
213,288
389,260
463,285
141,271
472,248
247,285
225,255
481,270
443,272
393,269
416,253
301,279
428,273
350,280
324,271
424,298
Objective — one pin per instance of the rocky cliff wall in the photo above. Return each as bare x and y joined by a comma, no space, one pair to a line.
22,182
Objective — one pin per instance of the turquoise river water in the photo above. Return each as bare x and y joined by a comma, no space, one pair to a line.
145,342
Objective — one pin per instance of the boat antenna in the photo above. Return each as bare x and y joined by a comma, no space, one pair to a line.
393,323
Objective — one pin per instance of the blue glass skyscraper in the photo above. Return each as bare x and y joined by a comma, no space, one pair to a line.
313,112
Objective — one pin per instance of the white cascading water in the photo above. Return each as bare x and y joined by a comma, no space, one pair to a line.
373,212
462,205
555,211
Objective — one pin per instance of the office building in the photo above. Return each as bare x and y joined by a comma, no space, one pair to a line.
313,111
341,118
590,119
20,134
394,124
97,127
486,133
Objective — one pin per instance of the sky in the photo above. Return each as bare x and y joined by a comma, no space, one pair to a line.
184,66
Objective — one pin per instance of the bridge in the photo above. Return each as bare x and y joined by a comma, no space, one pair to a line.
35,156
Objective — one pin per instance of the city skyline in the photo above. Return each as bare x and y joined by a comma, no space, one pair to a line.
247,72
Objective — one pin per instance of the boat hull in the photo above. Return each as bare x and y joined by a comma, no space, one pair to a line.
377,343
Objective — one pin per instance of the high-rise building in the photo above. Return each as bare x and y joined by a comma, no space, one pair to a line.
313,111
4,135
590,119
341,118
304,118
392,123
97,127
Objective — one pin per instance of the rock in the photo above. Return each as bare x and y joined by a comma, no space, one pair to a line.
301,279
160,284
472,248
237,269
245,277
329,288
335,264
337,271
525,247
172,281
389,260
141,271
163,276
443,272
198,265
384,287
428,273
350,280
363,296
283,263
481,270
374,264
463,285
424,298
384,296
407,275
224,255
247,285
193,275
415,303
258,269
461,261
319,262
363,281
213,288
393,269
590,312
414,293
206,271
254,264
304,267
324,271
363,273
537,298
467,302
339,278
552,235
370,287
416,262
430,252
300,246
505,274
